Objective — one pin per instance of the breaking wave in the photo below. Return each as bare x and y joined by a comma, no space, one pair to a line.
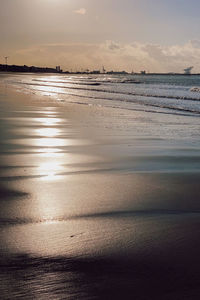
195,89
110,90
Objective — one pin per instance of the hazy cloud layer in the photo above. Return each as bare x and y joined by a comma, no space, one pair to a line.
116,56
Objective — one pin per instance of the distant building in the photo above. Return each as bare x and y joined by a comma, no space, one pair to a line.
95,72
117,72
103,70
24,68
58,69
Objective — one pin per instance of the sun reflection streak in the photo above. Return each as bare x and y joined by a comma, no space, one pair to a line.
48,132
50,169
48,153
47,89
50,121
48,147
51,142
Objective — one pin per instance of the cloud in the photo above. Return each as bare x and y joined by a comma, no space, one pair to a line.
113,55
111,45
81,11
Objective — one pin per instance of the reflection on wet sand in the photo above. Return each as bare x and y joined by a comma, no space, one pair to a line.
47,132
50,138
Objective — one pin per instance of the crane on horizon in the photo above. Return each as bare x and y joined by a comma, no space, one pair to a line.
6,59
188,70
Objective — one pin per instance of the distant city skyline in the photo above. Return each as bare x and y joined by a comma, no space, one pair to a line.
151,35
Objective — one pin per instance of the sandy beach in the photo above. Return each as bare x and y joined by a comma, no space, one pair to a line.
97,202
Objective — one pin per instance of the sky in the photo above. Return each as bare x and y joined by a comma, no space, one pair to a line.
131,35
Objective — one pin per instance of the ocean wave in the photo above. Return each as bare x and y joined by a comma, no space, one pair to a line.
177,101
129,81
131,101
140,94
142,104
195,89
107,214
69,82
122,80
92,81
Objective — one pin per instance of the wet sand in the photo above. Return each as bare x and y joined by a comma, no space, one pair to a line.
97,203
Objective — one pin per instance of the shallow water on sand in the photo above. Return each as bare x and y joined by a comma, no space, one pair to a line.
97,203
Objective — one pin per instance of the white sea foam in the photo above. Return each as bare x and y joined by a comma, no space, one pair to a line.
195,89
171,94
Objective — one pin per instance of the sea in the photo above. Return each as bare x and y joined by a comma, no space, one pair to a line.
173,94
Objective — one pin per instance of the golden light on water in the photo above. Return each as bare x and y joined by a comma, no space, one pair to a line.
50,90
50,169
52,161
48,146
49,152
48,132
50,121
50,142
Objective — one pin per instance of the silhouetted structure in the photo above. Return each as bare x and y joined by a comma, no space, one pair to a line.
32,69
58,69
6,59
188,70
117,72
95,72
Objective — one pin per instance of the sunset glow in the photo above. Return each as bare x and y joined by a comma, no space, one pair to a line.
120,35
